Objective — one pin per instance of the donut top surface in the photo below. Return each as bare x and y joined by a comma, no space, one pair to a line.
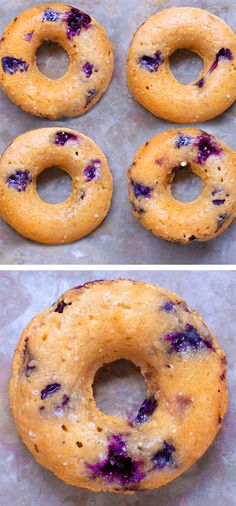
148,65
54,368
90,54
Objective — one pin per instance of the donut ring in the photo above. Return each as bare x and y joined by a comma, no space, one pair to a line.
90,199
151,175
154,85
53,371
89,72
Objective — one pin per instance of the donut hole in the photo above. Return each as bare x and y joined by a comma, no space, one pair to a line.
54,185
186,65
186,185
119,389
52,60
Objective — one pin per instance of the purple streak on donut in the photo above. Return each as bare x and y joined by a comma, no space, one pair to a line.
216,192
183,140
88,69
93,170
76,20
221,219
61,306
60,407
145,411
62,137
19,180
50,15
164,457
28,36
118,466
182,303
207,147
218,202
12,65
168,306
186,340
223,54
28,359
151,63
90,95
49,390
142,191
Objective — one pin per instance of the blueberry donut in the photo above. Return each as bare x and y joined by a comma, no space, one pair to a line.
54,366
154,85
153,170
90,199
89,50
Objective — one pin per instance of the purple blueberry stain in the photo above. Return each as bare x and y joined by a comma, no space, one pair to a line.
90,95
50,15
164,457
192,238
221,220
182,141
93,170
151,63
223,54
19,180
76,20
61,306
118,466
49,390
207,147
88,69
62,405
61,138
200,83
12,65
28,37
186,340
218,202
168,306
141,190
29,361
146,410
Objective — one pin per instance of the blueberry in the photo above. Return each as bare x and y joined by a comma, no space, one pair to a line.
49,390
200,83
218,202
118,466
152,63
183,140
12,65
142,191
63,403
168,306
221,219
88,69
207,147
146,410
223,54
50,15
62,137
28,36
92,171
164,457
187,339
90,95
61,306
19,180
76,20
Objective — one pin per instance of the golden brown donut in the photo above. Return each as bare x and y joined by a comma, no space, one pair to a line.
54,366
154,85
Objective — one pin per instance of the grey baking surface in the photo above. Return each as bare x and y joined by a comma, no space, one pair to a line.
119,125
210,482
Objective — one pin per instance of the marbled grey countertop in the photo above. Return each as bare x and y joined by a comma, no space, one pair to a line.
119,125
209,482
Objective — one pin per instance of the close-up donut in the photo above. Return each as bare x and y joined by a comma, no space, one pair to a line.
87,205
54,366
152,81
90,54
151,175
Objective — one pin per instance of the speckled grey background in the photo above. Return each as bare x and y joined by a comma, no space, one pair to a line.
119,125
210,482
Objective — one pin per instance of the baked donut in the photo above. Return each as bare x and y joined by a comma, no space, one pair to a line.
90,199
54,366
89,50
151,175
154,85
